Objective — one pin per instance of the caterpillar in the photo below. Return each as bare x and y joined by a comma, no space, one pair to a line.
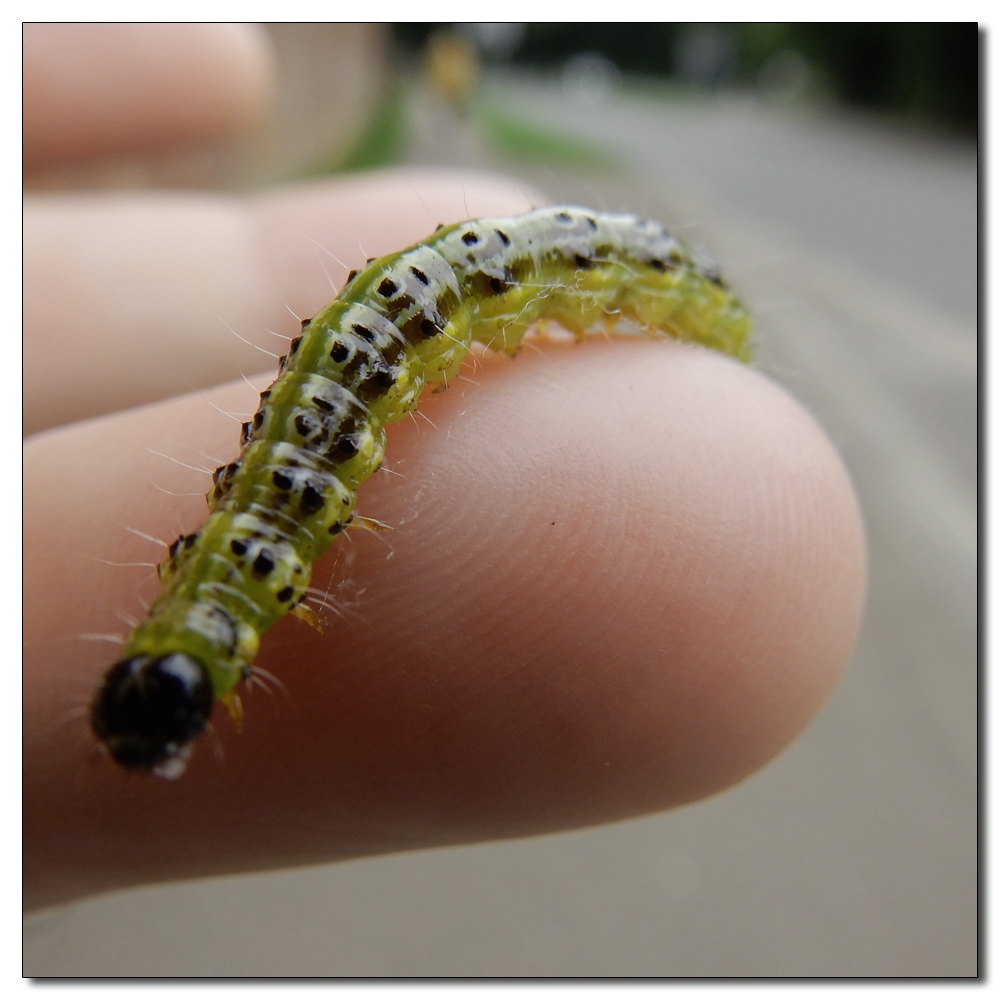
405,321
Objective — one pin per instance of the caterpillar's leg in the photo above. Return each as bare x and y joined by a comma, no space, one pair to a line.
306,614
235,707
368,523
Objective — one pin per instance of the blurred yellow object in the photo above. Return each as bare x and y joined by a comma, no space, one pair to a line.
452,66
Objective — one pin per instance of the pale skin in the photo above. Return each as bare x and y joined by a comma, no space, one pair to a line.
625,573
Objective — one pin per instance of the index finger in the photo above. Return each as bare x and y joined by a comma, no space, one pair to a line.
624,575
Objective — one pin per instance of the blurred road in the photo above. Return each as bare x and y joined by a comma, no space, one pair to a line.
854,853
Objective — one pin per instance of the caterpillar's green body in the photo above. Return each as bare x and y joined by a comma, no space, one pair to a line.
405,320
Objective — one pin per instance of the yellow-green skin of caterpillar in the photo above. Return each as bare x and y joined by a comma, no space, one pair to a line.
405,320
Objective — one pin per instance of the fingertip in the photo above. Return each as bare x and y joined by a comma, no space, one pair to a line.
650,560
107,89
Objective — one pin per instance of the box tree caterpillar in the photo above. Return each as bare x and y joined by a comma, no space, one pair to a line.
406,320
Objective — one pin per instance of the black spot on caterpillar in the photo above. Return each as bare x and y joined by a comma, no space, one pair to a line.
404,321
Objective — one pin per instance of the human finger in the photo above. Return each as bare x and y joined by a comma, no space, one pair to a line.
624,576
106,89
131,297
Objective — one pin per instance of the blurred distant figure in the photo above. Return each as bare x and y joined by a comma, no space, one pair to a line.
451,63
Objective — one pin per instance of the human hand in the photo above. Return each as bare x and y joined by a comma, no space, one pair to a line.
625,574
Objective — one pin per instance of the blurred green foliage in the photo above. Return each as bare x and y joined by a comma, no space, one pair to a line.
384,137
635,48
526,141
924,70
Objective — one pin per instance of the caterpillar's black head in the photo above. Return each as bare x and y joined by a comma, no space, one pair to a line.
149,709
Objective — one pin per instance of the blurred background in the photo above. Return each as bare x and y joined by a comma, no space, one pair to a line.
833,170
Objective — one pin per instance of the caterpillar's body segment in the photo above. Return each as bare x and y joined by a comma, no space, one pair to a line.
405,320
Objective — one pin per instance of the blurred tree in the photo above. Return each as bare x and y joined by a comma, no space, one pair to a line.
927,70
633,47
924,70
